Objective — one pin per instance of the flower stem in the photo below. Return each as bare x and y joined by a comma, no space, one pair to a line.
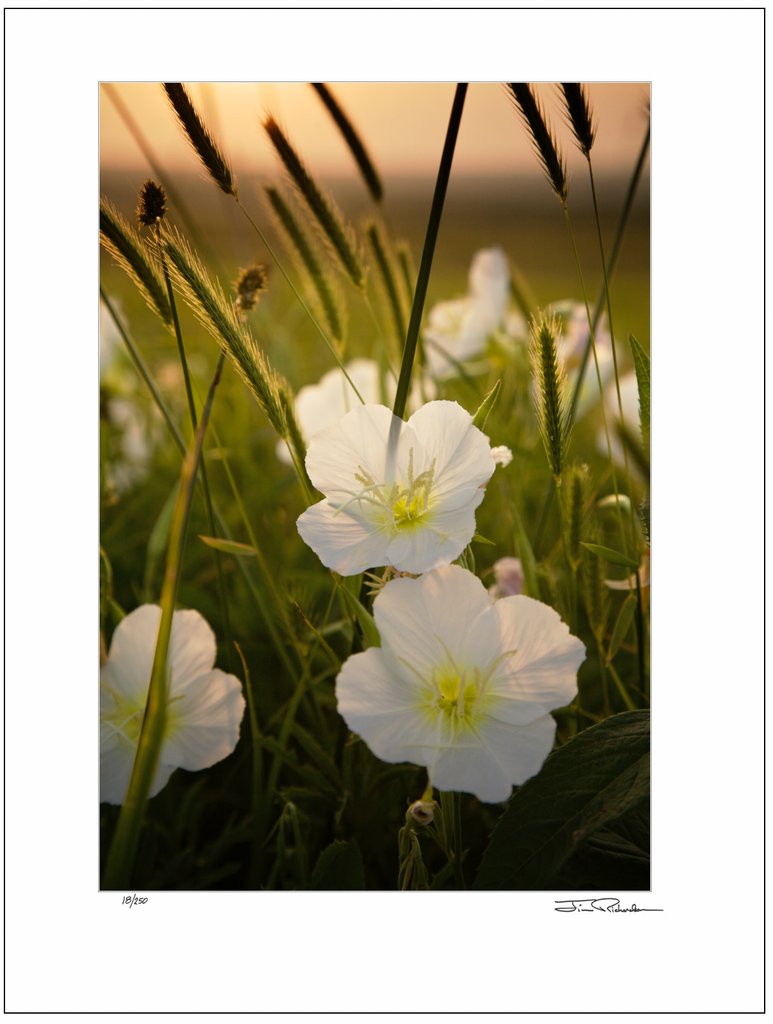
433,225
123,851
452,812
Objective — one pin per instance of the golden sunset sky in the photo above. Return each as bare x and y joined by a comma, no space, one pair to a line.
402,124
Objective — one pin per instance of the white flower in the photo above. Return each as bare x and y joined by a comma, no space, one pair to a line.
502,455
629,396
322,405
204,709
508,573
460,684
575,335
461,327
399,494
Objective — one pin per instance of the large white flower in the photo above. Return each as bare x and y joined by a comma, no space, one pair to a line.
461,327
396,493
460,684
204,710
322,405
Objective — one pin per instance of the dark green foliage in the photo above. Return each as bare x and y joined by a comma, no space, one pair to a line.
583,787
339,867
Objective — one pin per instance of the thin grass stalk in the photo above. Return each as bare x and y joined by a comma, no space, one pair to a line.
221,589
621,226
257,767
123,850
387,279
353,141
310,262
297,294
218,316
324,210
612,339
444,173
262,606
598,378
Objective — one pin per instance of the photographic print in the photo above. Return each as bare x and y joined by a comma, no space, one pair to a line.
374,371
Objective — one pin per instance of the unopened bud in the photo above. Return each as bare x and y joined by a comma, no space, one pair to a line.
422,812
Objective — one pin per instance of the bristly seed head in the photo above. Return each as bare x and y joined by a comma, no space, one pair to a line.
248,284
542,138
151,204
550,392
580,116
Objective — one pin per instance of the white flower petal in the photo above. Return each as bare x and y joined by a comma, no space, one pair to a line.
203,726
421,620
346,543
542,674
116,760
461,452
132,650
192,650
507,757
357,445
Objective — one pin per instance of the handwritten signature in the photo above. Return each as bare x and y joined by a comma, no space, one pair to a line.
606,903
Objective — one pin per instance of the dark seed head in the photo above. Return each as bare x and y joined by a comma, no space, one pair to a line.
248,284
151,205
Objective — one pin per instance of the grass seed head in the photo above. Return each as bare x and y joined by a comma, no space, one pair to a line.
550,392
200,137
579,115
248,285
541,135
151,204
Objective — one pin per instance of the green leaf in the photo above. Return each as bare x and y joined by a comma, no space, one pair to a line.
616,857
611,556
482,540
589,782
526,554
322,759
641,362
622,625
365,619
339,867
230,547
480,417
306,771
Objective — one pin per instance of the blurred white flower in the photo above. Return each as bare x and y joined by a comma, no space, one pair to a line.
508,573
575,334
322,405
460,684
204,708
629,396
461,327
399,494
502,455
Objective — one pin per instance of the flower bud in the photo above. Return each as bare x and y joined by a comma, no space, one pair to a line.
421,812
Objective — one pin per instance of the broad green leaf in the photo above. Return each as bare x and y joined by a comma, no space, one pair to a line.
229,547
589,782
157,542
525,553
622,625
611,556
617,857
641,362
480,417
365,619
339,867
